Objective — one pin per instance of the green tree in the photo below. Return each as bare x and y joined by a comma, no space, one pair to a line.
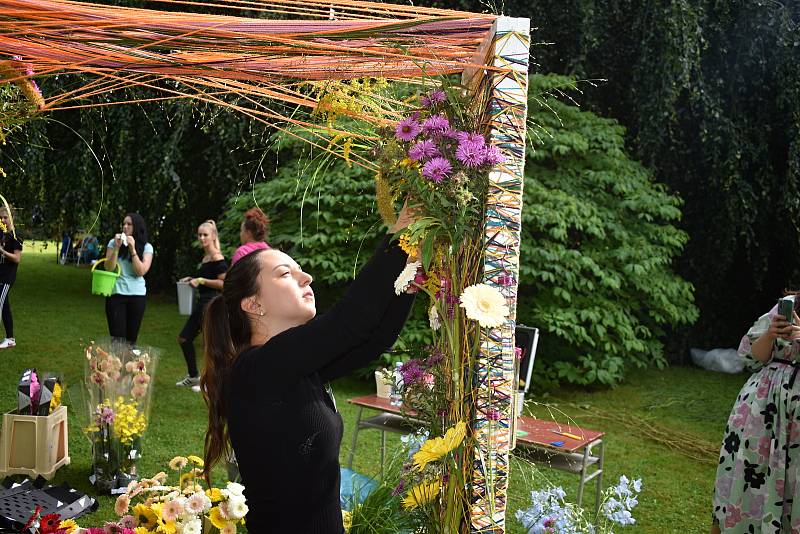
599,240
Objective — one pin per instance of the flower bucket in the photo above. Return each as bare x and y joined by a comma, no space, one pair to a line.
103,282
383,385
185,298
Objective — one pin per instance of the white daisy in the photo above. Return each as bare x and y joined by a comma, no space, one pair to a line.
193,526
237,508
484,304
235,489
405,278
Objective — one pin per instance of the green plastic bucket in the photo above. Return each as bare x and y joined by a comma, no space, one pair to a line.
103,281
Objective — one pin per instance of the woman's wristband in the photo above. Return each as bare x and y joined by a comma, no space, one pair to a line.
201,281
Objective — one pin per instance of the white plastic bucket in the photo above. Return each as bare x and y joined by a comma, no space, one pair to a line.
185,298
383,386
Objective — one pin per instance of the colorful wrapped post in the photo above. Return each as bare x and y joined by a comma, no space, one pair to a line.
505,94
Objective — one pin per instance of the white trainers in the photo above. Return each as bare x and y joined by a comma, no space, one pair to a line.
7,343
196,388
188,381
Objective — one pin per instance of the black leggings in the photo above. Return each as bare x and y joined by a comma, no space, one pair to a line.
190,330
5,305
124,314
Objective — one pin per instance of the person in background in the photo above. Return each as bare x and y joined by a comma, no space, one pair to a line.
252,234
209,282
758,476
10,256
125,306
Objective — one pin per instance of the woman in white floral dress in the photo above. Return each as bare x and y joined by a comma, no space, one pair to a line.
759,465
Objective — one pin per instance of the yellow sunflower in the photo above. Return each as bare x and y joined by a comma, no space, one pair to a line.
422,494
434,449
68,525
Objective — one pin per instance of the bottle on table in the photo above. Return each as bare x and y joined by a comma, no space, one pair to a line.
396,396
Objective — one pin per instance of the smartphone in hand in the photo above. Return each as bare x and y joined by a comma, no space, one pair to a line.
785,308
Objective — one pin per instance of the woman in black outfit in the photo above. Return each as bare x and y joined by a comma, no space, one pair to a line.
10,256
267,362
209,283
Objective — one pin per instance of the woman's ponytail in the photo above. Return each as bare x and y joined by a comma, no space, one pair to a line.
219,353
226,334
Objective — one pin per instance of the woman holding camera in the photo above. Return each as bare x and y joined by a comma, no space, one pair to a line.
129,249
757,477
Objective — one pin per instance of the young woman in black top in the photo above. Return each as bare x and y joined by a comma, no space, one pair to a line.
267,360
10,256
209,284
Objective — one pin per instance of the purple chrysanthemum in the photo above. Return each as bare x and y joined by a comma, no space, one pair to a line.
407,129
471,137
423,150
437,97
434,97
436,169
436,124
412,373
470,154
492,155
492,415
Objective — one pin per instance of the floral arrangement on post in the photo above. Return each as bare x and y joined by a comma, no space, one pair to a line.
118,392
151,506
438,158
549,513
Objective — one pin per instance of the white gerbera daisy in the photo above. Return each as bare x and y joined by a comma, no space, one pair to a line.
236,489
484,304
193,526
433,318
405,278
237,508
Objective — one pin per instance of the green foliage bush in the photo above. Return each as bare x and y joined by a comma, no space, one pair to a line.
599,240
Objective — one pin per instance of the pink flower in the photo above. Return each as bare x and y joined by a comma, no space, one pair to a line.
423,150
436,124
407,129
470,154
128,522
471,137
492,415
141,378
492,156
434,97
107,415
764,447
437,169
137,392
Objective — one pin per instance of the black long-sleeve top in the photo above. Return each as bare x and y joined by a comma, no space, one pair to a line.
283,425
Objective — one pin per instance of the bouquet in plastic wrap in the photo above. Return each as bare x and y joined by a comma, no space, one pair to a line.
118,385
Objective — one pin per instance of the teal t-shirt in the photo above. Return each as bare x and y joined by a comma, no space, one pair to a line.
129,283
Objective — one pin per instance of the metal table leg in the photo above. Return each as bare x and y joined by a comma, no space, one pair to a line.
599,477
584,463
355,437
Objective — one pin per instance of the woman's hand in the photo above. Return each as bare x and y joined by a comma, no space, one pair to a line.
117,241
406,216
780,328
194,282
131,244
185,279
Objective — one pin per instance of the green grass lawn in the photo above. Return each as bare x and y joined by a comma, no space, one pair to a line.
652,420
